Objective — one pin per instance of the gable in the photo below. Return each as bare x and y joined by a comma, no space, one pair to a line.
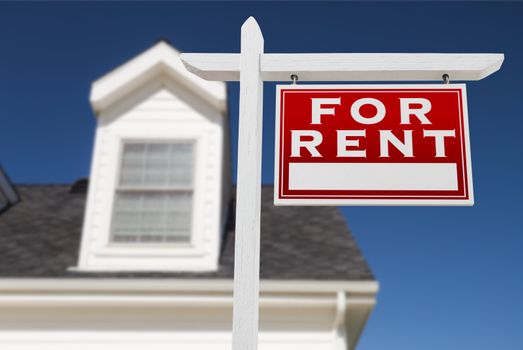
160,60
160,100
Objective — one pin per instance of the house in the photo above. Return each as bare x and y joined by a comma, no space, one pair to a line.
140,256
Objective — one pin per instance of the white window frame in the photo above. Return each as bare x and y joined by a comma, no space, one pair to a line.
103,246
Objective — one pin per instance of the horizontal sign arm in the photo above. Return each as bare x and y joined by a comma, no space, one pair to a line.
349,66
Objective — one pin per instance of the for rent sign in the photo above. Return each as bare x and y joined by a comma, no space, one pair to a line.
372,145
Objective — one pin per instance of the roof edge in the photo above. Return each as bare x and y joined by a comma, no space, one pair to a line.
47,285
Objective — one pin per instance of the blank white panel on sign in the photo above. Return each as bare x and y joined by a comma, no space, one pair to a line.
373,176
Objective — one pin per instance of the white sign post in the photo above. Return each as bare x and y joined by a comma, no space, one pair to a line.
248,191
251,67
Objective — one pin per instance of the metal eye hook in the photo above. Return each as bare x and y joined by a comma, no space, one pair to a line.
446,78
294,79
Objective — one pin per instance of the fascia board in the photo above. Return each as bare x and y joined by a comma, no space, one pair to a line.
60,292
49,285
187,299
359,297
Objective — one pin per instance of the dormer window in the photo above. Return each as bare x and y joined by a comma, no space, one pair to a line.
160,183
154,198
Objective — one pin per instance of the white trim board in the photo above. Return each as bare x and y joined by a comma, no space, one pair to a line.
36,285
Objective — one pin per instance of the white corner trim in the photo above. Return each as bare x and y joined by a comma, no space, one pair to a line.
340,326
161,58
341,309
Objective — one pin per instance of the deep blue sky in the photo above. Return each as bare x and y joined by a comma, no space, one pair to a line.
451,278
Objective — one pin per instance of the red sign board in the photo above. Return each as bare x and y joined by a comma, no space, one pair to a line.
372,145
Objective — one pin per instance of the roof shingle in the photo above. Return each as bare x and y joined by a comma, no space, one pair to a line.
40,236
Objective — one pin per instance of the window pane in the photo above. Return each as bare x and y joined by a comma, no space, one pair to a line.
157,165
181,164
132,164
152,217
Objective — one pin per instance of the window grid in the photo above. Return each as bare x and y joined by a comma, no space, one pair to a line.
153,201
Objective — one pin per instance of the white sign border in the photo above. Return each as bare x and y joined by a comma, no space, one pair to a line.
371,202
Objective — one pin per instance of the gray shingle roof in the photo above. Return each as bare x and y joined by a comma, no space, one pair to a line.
40,236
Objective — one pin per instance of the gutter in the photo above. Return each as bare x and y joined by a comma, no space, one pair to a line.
353,301
144,285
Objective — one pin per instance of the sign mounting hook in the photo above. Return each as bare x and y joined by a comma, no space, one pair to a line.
294,78
446,78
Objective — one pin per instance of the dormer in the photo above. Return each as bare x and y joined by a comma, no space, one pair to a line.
160,181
